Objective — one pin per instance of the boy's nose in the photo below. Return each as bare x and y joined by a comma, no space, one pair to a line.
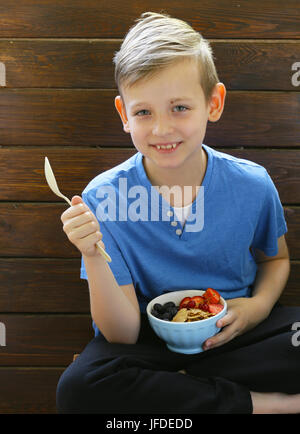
162,127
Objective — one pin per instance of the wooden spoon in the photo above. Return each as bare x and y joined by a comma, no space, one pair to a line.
54,187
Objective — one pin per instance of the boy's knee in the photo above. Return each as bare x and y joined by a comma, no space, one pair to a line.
83,391
71,391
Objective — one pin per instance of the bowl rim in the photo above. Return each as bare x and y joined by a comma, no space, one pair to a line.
189,324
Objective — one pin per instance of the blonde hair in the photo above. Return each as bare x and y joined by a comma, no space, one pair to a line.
158,40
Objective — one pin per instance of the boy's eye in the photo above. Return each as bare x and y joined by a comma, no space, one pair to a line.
180,108
142,113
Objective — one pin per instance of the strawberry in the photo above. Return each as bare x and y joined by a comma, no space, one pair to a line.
199,300
191,304
184,302
204,307
211,296
215,308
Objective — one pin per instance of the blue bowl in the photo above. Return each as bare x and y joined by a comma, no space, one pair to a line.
184,337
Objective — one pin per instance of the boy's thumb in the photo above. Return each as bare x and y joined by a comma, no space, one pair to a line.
76,199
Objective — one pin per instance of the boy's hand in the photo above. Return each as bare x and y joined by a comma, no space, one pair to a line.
242,315
82,227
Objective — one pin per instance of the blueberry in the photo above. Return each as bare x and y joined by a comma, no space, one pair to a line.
166,316
155,313
169,304
173,311
159,308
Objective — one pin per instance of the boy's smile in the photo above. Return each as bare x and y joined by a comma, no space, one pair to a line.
166,147
166,115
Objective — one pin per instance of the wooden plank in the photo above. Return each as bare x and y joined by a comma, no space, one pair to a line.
42,285
60,63
23,169
88,117
257,119
44,340
60,117
256,65
93,18
292,216
253,65
32,229
54,286
29,390
35,230
291,293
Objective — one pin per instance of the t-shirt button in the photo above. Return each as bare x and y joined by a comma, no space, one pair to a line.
174,223
169,213
178,231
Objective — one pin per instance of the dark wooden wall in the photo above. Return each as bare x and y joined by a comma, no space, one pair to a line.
56,100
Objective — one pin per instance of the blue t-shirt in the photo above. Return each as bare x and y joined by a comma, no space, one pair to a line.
237,208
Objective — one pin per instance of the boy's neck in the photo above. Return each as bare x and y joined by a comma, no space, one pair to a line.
190,174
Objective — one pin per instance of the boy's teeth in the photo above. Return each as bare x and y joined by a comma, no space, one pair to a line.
167,146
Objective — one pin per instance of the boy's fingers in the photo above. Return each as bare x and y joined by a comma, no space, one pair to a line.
226,320
79,221
76,199
226,334
221,338
74,210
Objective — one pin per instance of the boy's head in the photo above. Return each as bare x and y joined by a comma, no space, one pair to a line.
169,90
157,41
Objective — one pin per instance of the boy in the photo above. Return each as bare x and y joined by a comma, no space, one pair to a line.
169,90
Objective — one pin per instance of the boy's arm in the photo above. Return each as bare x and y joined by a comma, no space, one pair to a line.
272,275
245,313
114,309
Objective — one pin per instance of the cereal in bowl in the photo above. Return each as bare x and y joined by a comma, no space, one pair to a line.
190,308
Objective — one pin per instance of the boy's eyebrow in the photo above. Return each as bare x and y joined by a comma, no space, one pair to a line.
182,98
139,104
172,101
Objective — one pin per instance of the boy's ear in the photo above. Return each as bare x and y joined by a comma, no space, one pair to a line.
122,112
216,103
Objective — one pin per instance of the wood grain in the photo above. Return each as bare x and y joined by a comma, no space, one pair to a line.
291,293
254,65
34,230
75,167
28,390
38,285
44,340
88,118
93,18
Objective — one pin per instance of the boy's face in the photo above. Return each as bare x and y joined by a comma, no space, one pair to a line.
167,114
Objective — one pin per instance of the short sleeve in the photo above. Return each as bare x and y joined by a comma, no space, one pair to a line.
271,222
118,264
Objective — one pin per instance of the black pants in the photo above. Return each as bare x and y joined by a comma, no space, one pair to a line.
142,378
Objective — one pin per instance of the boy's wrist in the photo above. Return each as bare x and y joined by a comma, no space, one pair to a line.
97,258
261,307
